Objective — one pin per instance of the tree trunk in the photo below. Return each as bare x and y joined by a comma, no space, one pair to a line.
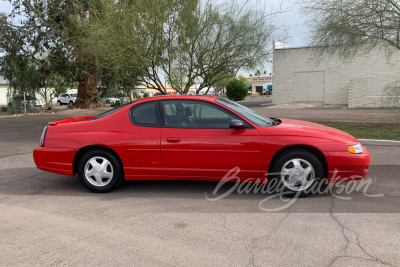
86,89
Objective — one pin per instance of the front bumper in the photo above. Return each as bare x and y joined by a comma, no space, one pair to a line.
344,166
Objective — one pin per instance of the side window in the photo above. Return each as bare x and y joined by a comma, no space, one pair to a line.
146,114
195,114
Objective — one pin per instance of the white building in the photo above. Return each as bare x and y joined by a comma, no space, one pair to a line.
3,91
299,76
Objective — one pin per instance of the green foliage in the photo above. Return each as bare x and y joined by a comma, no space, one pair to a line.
60,88
96,97
45,38
146,94
236,89
4,109
190,41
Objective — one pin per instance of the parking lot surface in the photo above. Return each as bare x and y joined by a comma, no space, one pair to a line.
50,219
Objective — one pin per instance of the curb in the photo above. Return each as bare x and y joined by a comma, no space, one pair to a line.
379,142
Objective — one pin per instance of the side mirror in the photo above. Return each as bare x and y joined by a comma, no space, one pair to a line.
236,124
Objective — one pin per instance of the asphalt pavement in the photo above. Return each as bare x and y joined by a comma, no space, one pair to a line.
49,219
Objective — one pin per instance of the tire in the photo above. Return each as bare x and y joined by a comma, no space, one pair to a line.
296,173
96,177
71,103
59,102
107,102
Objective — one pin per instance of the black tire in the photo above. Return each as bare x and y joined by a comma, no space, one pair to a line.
59,103
107,102
305,157
89,182
71,103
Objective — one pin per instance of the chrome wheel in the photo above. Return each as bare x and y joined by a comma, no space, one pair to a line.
98,171
297,174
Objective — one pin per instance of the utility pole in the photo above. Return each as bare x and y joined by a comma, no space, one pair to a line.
24,102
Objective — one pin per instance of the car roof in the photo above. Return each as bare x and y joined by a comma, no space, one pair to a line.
181,97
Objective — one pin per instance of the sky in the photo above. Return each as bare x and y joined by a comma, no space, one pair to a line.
289,19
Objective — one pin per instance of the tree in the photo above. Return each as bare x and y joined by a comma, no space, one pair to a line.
51,27
187,42
258,73
342,25
347,27
236,89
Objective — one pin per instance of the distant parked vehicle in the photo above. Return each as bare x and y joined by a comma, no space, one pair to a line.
31,103
66,99
110,100
34,103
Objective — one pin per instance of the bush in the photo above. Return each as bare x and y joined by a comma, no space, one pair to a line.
4,109
236,89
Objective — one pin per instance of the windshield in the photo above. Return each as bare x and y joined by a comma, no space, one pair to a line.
108,112
249,114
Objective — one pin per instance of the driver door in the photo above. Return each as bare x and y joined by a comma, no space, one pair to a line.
196,141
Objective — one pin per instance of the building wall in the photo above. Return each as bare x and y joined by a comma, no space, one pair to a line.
3,94
358,82
258,81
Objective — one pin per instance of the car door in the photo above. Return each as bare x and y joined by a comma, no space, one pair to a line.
143,147
64,99
196,141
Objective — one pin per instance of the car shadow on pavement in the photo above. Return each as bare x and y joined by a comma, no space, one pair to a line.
186,196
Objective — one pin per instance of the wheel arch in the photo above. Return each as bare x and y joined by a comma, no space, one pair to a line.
315,151
85,149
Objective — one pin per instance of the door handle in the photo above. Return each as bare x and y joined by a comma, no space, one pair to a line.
173,139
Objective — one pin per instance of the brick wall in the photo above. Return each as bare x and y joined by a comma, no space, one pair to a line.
358,82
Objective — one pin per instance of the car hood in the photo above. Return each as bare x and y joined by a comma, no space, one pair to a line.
304,128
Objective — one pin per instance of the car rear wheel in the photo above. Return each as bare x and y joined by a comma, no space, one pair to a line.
100,171
296,173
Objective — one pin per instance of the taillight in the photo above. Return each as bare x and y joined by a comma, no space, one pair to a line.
43,137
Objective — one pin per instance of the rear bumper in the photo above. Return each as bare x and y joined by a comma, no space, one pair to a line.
56,160
344,166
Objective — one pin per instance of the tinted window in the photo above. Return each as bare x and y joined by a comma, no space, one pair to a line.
195,114
146,114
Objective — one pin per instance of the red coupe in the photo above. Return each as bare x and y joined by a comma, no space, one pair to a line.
197,138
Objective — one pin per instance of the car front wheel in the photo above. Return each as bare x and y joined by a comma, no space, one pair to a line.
59,102
100,171
296,172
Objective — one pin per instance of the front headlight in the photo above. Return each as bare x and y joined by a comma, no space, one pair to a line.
356,149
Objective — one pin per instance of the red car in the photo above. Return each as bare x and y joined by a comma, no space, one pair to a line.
197,138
